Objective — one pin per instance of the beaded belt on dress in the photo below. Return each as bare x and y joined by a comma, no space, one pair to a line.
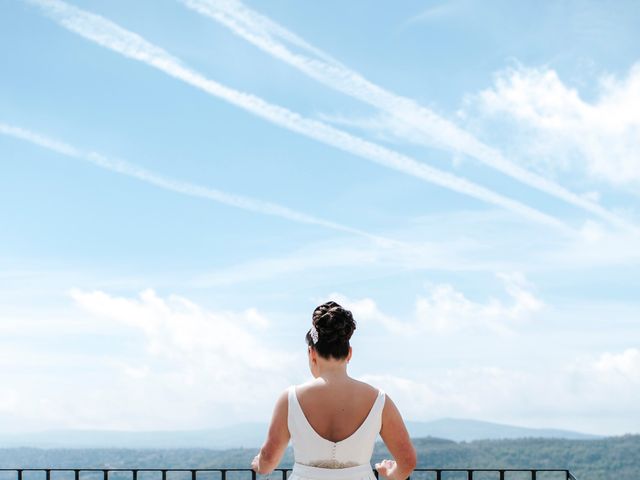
332,472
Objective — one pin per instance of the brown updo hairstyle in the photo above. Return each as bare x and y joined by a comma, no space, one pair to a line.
335,325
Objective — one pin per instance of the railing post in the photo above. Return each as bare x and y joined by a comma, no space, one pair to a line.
469,474
134,472
534,474
76,473
164,474
438,474
105,474
193,475
48,474
501,474
223,474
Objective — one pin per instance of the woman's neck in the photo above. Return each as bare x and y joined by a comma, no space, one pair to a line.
333,373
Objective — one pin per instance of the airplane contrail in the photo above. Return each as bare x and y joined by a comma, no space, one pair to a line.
110,35
186,188
263,32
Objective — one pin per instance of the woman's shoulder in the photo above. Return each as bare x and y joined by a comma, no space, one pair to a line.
358,386
366,387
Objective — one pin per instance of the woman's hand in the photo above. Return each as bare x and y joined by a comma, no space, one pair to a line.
386,468
255,463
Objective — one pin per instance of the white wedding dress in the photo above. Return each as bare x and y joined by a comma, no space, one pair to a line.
319,458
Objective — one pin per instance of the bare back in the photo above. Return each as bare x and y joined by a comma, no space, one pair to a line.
335,412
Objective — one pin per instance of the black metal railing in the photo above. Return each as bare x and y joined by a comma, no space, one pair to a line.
192,473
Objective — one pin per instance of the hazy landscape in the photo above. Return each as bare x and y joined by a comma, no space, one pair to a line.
598,459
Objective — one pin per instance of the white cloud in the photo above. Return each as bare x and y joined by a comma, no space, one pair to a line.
597,394
625,364
558,130
607,383
178,365
174,364
178,329
446,310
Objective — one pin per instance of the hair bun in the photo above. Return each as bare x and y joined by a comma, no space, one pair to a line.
333,322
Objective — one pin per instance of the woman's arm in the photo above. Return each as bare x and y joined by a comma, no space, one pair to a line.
396,438
277,438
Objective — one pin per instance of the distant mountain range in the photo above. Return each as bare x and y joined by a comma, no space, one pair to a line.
464,429
252,435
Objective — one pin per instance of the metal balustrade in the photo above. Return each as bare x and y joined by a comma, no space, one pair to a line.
192,473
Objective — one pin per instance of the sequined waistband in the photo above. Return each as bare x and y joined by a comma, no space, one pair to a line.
356,471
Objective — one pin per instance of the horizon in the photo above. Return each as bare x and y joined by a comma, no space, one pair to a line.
267,423
184,181
451,430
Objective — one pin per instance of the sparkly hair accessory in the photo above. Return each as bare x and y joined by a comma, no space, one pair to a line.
314,334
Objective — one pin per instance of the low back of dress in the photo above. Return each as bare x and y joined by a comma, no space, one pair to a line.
309,448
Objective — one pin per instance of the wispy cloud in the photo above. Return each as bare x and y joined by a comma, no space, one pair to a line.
436,12
185,188
449,255
461,241
416,121
106,33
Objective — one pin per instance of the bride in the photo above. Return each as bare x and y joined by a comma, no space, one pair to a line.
333,420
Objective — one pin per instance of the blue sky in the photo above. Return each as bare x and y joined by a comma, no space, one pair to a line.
185,180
